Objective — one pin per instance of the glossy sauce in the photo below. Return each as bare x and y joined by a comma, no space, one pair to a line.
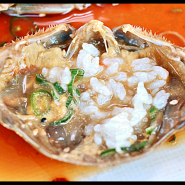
19,160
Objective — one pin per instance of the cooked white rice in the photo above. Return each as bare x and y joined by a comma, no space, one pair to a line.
140,87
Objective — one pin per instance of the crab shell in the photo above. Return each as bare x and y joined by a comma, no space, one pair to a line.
166,54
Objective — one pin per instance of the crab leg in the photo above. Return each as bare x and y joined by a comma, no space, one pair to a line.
44,8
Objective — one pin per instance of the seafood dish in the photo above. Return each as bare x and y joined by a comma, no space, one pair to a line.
92,96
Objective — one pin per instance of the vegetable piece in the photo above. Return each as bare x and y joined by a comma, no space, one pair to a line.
40,78
64,119
58,88
76,95
136,146
108,152
153,113
77,92
150,129
75,74
55,95
79,73
68,115
132,148
40,102
20,26
54,92
174,138
69,100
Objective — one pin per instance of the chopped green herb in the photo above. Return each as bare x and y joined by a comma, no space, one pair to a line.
54,92
133,147
69,113
69,100
150,129
152,126
108,152
153,113
155,116
75,74
77,92
78,73
174,138
65,118
58,88
55,95
40,102
40,78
